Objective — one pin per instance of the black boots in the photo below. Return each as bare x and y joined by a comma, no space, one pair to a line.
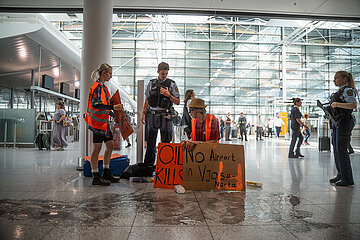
98,180
108,176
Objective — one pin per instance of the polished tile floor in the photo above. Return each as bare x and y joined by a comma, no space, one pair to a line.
43,196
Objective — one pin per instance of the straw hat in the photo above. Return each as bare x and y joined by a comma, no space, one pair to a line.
197,103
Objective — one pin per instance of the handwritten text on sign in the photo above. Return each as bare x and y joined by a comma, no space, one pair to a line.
169,166
213,166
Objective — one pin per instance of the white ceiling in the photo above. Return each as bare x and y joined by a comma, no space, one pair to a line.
311,8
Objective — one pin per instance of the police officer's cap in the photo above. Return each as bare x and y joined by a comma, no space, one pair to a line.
197,103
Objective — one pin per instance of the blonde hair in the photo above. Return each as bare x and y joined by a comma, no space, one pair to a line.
349,79
95,75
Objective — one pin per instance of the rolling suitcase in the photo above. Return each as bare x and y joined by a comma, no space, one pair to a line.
324,144
234,133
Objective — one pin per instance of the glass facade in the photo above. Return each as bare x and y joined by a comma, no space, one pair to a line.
235,64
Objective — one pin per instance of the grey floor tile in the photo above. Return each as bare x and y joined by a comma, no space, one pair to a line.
169,233
306,213
103,210
82,232
21,230
310,231
329,197
30,186
70,197
348,211
251,232
18,195
164,209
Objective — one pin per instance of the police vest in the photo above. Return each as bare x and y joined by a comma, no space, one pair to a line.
336,97
209,118
156,99
96,118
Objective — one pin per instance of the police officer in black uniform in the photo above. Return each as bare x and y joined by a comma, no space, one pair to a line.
343,102
160,93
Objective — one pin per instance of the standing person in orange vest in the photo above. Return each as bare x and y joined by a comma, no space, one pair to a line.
205,126
97,116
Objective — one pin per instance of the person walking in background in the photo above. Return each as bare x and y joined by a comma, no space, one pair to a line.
58,136
227,127
296,124
343,102
222,125
186,118
259,128
269,124
97,116
278,122
307,129
242,125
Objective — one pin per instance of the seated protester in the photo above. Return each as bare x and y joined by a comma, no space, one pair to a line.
205,127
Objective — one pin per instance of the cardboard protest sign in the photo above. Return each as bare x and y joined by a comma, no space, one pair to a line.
120,117
169,166
213,166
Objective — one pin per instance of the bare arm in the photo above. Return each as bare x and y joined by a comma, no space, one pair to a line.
146,105
301,123
166,93
189,145
344,105
61,118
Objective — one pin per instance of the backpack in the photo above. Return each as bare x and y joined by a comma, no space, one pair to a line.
66,122
138,170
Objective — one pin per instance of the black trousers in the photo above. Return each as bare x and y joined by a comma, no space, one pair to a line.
259,132
156,122
243,132
340,140
296,134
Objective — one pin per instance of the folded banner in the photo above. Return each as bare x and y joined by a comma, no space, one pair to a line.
213,166
101,157
120,117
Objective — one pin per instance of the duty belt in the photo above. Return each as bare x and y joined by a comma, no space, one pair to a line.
165,113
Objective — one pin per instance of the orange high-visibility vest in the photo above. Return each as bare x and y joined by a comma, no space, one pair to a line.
208,121
96,118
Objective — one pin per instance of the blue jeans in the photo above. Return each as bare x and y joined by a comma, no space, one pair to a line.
156,122
307,135
278,130
340,140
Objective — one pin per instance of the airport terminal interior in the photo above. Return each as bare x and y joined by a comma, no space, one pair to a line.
254,65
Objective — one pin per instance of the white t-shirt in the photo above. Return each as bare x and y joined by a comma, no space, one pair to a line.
259,122
278,122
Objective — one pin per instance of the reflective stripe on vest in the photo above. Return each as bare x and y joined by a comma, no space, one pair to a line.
208,121
96,118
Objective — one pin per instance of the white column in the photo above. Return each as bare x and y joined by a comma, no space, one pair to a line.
96,49
284,86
